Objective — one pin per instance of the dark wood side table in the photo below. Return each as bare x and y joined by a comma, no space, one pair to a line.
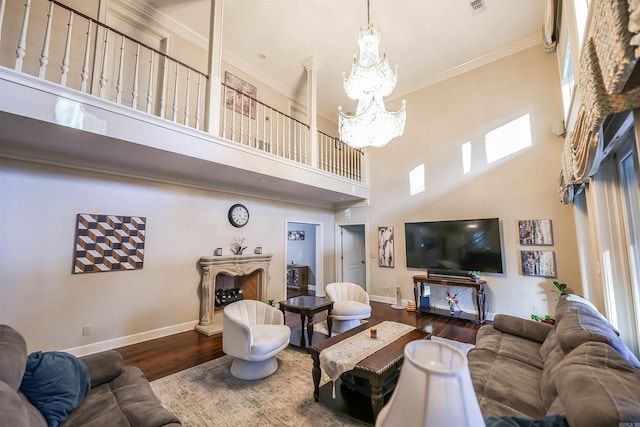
376,368
308,306
465,282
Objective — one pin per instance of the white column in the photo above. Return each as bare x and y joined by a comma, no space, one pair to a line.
213,91
311,65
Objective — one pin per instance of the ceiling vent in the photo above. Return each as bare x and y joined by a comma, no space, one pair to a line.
477,6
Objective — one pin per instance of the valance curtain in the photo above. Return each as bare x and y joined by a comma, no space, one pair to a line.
609,56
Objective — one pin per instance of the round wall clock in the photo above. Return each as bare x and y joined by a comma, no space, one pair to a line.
238,215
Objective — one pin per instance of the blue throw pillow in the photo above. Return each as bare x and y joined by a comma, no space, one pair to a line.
515,421
55,383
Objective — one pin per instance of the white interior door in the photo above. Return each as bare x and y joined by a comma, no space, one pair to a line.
353,254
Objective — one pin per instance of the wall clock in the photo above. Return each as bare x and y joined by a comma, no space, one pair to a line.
238,215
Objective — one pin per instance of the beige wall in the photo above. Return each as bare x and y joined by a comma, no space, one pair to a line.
41,297
440,119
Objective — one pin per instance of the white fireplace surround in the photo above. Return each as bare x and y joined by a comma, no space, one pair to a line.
231,265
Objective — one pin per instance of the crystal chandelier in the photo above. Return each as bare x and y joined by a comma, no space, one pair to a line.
370,80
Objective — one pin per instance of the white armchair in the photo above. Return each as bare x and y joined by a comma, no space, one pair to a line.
350,305
253,332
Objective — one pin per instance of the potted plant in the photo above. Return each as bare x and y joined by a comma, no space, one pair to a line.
546,319
562,288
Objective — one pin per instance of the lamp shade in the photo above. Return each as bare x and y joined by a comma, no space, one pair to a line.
434,389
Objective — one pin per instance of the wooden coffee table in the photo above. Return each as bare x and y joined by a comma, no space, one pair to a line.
377,368
308,306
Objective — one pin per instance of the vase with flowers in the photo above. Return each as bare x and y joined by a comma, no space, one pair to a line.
452,300
237,247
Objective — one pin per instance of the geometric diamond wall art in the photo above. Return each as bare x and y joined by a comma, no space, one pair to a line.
109,243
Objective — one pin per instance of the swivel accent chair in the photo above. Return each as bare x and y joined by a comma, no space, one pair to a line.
350,305
253,332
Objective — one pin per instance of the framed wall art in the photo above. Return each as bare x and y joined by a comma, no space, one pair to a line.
385,247
535,232
109,243
239,95
538,263
296,235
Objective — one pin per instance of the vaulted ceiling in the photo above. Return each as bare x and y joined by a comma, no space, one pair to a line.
430,40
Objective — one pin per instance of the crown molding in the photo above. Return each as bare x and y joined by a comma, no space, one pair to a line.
148,17
504,52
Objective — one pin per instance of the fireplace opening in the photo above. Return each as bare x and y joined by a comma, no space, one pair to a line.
229,288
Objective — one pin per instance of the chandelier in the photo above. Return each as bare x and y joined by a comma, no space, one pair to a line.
370,80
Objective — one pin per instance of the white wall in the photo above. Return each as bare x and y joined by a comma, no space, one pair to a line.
48,304
440,119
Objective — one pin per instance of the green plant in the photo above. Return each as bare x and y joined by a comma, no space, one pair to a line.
546,319
271,302
562,288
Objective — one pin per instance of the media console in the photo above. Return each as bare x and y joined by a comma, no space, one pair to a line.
465,282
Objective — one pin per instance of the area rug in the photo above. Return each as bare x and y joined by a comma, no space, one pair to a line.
462,346
208,395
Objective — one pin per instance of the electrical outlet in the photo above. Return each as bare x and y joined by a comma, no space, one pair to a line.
86,330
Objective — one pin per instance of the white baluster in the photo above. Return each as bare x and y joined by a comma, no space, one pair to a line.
120,71
150,84
67,47
2,6
163,96
134,101
175,95
186,101
198,103
85,65
22,43
103,73
44,56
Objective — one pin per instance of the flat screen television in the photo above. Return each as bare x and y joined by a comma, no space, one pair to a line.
455,247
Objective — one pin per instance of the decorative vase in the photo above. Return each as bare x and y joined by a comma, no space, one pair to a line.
239,251
451,309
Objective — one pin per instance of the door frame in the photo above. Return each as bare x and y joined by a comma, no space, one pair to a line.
338,251
318,254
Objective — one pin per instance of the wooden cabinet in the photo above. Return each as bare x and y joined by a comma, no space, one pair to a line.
298,277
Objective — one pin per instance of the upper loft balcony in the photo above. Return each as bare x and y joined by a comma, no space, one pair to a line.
78,93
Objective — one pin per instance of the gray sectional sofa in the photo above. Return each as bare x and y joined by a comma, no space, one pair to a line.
578,368
96,390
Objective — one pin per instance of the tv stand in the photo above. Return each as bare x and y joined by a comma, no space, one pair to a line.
464,282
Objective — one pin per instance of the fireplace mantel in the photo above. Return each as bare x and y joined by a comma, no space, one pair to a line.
232,265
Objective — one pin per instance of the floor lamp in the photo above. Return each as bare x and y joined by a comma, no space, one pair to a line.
434,389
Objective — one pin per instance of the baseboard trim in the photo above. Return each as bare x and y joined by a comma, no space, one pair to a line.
131,339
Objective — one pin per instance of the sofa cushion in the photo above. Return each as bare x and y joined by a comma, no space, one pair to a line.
13,356
525,328
552,355
16,410
505,386
607,385
55,383
572,303
577,328
510,346
103,366
137,400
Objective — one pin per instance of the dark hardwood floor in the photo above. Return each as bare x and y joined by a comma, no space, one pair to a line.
164,356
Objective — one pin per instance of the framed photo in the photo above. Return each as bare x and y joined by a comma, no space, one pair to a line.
243,97
538,263
385,247
535,232
296,235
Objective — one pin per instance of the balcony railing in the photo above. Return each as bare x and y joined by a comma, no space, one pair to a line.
56,43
